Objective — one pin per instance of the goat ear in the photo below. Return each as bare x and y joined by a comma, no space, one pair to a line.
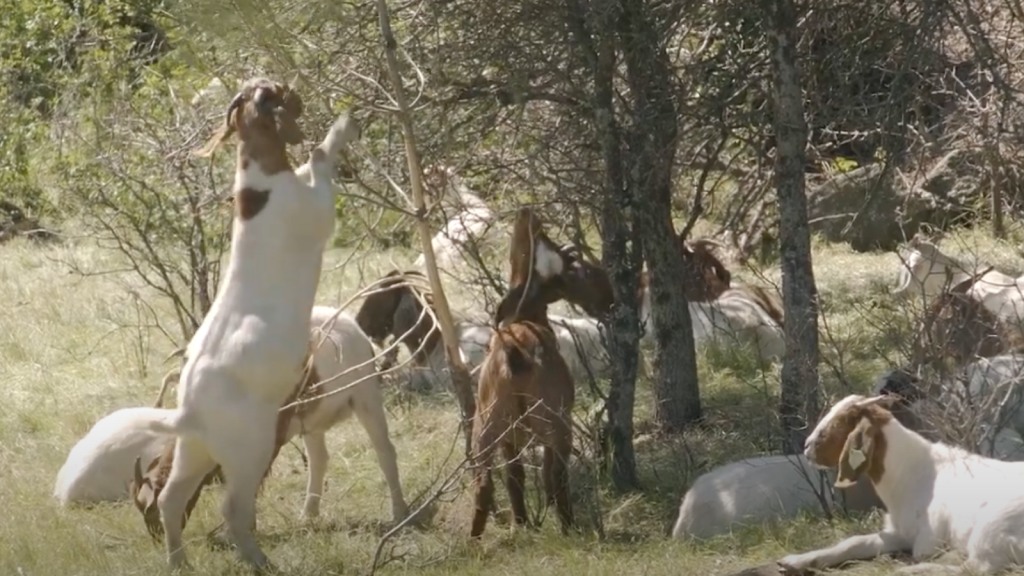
225,131
857,453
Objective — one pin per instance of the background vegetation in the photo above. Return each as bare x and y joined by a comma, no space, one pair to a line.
618,117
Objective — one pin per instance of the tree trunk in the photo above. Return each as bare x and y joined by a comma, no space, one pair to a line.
652,148
621,249
800,366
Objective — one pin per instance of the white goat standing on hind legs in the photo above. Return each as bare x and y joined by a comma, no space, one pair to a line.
248,354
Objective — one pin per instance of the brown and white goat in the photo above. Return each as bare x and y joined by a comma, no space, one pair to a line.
245,359
717,305
343,357
958,327
525,391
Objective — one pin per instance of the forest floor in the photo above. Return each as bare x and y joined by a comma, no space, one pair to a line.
71,352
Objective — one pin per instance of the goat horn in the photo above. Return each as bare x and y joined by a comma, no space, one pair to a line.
177,353
139,481
880,399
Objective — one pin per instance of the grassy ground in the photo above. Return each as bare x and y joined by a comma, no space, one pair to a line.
69,355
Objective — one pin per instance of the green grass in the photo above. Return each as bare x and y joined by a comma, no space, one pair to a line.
69,355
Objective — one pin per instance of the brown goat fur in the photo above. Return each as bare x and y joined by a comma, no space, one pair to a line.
393,311
959,328
525,391
706,277
769,300
145,489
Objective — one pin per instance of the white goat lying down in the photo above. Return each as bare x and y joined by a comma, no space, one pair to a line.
761,490
99,467
732,316
580,343
926,270
473,222
937,496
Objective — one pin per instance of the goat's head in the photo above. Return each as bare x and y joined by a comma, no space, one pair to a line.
849,437
537,273
264,114
394,310
706,277
145,489
587,284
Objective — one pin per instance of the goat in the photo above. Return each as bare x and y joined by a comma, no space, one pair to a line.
990,406
959,328
394,310
472,226
246,359
582,347
760,490
344,357
748,312
769,488
936,495
525,389
99,466
926,270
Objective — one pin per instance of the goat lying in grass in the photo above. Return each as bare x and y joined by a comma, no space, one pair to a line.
986,415
525,389
925,270
394,310
738,313
99,466
957,327
471,227
936,495
759,490
247,357
342,356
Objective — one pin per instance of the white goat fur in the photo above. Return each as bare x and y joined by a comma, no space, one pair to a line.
344,348
99,467
923,271
473,222
761,490
937,496
247,356
732,317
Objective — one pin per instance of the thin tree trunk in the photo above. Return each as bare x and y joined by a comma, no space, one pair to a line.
798,400
621,249
459,374
652,149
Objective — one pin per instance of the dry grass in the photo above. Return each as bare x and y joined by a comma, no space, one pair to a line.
68,360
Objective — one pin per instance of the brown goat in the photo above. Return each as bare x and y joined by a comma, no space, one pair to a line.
705,276
958,327
525,390
145,489
393,310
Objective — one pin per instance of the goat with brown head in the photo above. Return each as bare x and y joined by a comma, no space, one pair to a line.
849,437
265,116
393,310
706,277
525,389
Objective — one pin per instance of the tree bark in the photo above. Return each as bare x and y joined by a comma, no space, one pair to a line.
798,400
621,250
651,151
